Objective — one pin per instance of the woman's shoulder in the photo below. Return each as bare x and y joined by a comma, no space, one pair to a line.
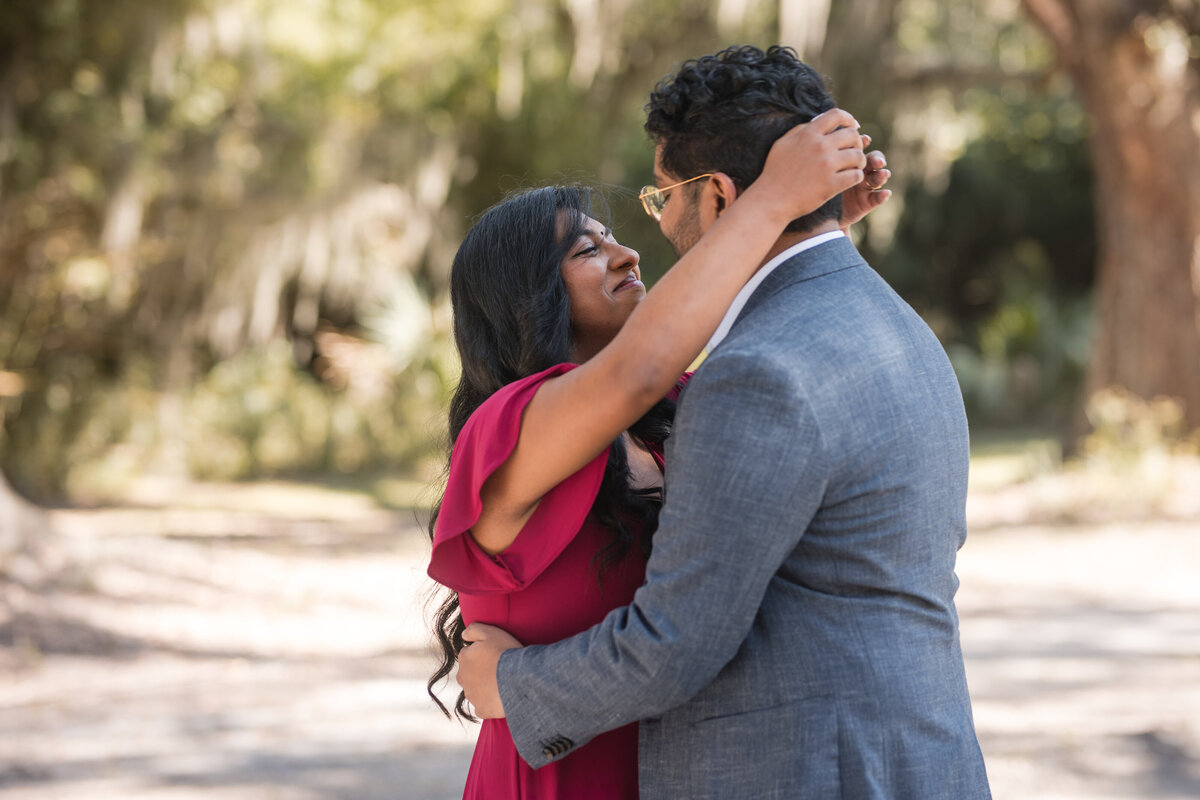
512,398
486,442
534,380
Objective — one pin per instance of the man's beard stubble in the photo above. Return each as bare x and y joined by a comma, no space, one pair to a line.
687,232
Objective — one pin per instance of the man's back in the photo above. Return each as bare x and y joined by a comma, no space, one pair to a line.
848,485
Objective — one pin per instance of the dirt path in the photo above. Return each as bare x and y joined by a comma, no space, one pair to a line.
267,642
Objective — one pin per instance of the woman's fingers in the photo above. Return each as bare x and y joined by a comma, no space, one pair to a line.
477,632
831,120
480,632
877,172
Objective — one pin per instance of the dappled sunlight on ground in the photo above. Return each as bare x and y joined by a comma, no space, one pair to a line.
268,641
1083,655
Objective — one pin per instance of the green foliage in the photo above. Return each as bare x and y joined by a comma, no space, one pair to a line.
185,198
253,415
1001,259
225,226
1127,429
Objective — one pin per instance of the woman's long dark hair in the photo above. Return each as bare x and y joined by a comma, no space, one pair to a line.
511,320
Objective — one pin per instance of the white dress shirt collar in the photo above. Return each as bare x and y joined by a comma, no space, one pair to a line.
739,302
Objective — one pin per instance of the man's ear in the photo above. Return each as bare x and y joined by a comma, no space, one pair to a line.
717,197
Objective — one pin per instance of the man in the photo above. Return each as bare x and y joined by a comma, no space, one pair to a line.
796,635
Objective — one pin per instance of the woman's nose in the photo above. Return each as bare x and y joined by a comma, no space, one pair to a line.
623,257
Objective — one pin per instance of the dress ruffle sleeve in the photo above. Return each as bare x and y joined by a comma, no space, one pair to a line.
485,442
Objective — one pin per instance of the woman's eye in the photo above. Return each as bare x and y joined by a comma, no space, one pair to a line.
588,251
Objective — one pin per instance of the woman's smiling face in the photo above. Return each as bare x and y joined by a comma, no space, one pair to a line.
603,283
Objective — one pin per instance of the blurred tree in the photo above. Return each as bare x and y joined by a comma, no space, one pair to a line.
998,256
225,225
183,183
989,235
1136,64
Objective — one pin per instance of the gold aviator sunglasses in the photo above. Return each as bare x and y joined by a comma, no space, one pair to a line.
654,199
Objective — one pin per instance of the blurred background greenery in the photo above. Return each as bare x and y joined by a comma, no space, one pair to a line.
226,225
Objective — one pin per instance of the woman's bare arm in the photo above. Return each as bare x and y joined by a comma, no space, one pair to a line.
572,418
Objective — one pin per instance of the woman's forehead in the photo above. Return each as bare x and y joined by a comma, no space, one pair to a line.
574,223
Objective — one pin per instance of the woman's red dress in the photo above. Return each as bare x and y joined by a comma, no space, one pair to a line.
543,588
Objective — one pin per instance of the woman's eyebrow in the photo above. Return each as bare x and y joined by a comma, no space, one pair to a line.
584,230
581,235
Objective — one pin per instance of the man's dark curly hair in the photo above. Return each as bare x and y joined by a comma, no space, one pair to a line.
722,113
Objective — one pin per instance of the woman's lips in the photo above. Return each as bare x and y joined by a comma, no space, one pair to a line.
630,280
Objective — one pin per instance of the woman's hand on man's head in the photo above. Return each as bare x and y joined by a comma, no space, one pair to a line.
869,194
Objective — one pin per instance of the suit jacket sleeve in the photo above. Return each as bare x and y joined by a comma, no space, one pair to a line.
738,498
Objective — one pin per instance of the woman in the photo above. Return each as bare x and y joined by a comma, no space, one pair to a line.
569,375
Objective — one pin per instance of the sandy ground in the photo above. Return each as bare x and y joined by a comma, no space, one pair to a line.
268,642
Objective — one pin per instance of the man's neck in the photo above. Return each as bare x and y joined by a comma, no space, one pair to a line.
787,240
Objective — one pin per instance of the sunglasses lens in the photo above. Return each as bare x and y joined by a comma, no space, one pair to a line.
652,201
657,201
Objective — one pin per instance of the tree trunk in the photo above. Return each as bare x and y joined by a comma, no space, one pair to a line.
858,47
1138,73
803,25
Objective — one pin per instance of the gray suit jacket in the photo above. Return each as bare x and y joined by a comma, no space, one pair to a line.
796,636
